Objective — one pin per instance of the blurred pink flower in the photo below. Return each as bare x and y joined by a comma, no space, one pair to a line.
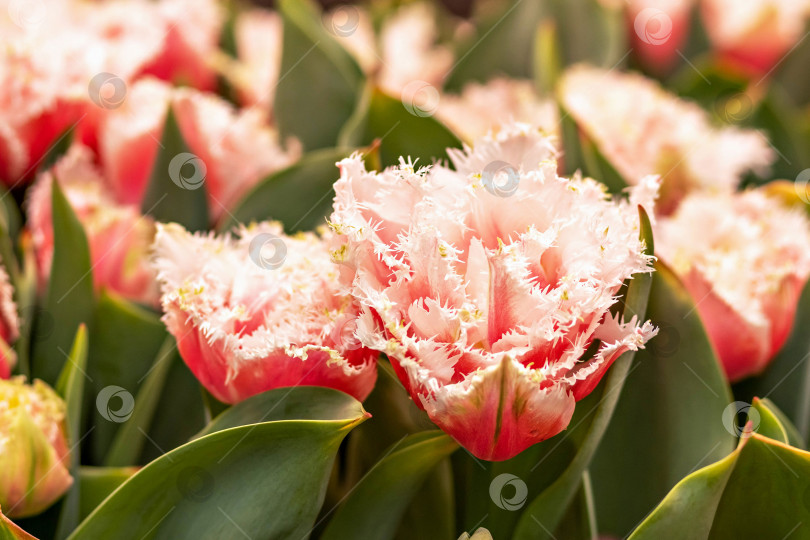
118,235
34,456
744,258
9,325
247,321
238,147
481,108
258,46
658,28
61,67
754,35
486,285
642,129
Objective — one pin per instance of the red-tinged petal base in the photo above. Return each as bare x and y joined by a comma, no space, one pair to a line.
499,412
210,363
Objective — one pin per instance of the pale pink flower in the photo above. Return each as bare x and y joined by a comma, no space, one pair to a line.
246,321
118,236
238,147
258,47
9,325
49,59
642,129
481,108
755,34
485,292
744,257
34,456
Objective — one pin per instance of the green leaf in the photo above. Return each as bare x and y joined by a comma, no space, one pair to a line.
786,381
129,439
546,511
319,82
775,425
401,132
376,505
299,196
669,418
71,387
758,491
70,296
264,480
96,483
167,201
126,339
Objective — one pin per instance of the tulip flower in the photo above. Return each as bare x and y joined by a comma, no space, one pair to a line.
258,46
259,311
9,325
658,28
238,147
485,285
754,35
63,66
744,258
119,237
641,129
481,108
34,455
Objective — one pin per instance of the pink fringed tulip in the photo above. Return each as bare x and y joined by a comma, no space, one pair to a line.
481,108
238,147
34,455
486,285
9,325
754,35
118,235
642,129
64,65
744,258
247,321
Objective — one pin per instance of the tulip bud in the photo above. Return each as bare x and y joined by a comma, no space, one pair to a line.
744,258
34,455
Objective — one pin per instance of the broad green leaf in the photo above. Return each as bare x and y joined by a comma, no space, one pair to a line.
757,491
264,480
70,297
126,339
10,531
299,196
130,437
786,381
71,387
374,508
669,418
169,197
544,513
402,130
780,427
96,483
319,81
